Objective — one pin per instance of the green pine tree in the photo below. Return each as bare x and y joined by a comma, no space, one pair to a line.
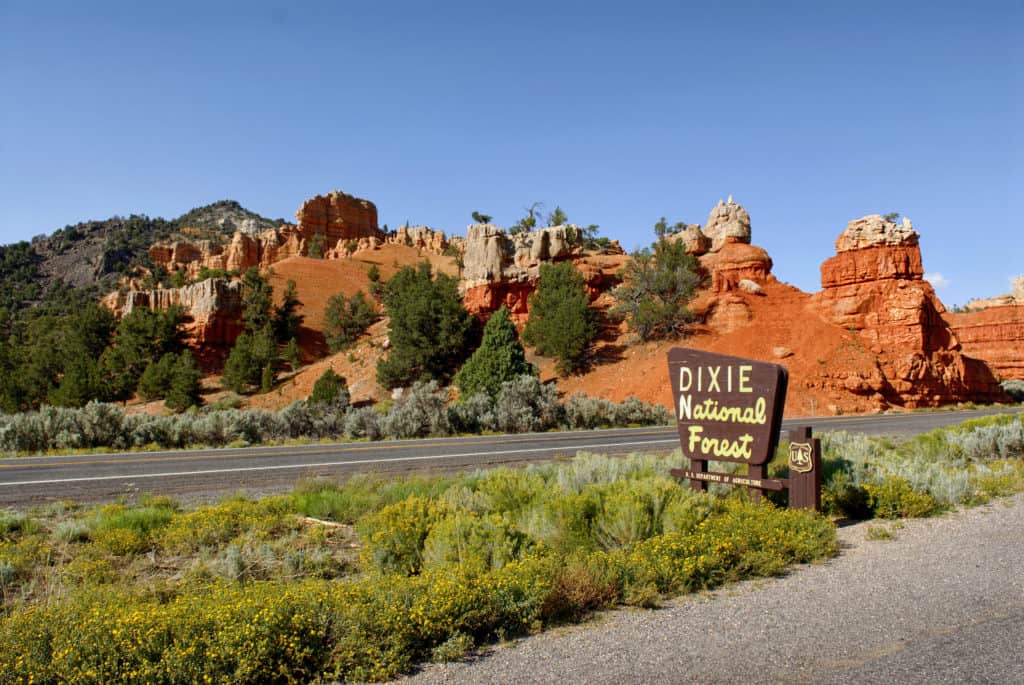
347,318
428,327
80,384
144,336
257,298
248,361
238,369
156,379
561,324
657,288
499,358
286,319
184,390
292,354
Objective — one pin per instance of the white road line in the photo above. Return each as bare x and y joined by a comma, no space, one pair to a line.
279,467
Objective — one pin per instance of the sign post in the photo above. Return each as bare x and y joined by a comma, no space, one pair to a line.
730,409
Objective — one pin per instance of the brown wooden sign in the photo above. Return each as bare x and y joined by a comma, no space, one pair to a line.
728,408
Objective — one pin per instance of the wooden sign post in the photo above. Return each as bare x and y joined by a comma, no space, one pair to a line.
730,409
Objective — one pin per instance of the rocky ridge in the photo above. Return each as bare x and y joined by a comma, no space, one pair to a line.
328,223
503,269
993,330
212,310
881,337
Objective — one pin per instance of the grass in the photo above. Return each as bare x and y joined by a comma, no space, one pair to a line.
361,580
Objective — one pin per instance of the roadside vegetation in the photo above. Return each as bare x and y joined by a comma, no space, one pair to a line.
522,404
365,579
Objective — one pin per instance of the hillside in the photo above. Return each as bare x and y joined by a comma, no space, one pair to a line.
874,337
94,255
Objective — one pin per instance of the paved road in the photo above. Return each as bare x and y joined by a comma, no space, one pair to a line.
206,473
941,603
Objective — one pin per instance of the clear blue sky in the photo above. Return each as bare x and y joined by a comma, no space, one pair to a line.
810,114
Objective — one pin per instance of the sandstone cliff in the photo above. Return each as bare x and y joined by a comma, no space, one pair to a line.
874,286
993,330
337,216
994,335
730,264
503,269
212,309
333,224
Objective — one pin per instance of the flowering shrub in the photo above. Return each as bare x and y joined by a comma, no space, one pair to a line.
869,476
447,563
376,627
393,538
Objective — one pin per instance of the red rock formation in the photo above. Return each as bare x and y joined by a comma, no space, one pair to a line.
483,300
874,286
334,220
212,309
994,335
337,216
735,262
420,237
502,269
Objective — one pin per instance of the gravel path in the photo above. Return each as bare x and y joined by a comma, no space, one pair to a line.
942,602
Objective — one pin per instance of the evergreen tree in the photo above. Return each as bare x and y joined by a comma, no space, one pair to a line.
250,364
557,217
482,218
292,354
238,369
528,222
92,329
561,324
267,378
185,388
657,289
330,389
79,384
428,327
174,378
347,318
286,319
315,247
376,283
252,354
143,336
10,394
499,358
39,350
257,296
156,379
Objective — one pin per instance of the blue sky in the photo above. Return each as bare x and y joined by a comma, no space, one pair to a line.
810,114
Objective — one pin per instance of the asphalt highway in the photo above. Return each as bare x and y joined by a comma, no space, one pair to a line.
210,473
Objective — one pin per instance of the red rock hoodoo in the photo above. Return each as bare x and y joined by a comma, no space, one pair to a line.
337,216
874,286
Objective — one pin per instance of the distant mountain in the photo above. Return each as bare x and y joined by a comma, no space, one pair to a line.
92,255
226,217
